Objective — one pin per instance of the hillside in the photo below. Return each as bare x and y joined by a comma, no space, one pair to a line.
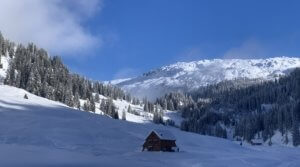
31,69
188,76
137,115
40,132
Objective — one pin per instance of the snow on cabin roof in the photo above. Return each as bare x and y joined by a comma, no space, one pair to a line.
164,134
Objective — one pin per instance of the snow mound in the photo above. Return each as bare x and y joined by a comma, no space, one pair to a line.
192,75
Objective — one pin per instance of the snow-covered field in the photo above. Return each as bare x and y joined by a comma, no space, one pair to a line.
40,132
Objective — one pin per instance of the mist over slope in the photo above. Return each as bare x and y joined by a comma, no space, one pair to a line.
187,76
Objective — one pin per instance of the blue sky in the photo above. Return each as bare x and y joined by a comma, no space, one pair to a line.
126,38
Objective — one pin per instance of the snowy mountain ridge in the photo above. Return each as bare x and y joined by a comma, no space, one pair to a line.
192,75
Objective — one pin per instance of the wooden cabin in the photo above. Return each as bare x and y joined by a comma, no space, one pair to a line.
160,140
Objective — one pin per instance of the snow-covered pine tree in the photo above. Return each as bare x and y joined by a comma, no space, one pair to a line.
86,105
92,104
33,70
157,116
124,115
129,110
146,106
103,105
76,101
295,130
97,98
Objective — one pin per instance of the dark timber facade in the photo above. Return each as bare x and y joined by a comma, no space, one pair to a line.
156,141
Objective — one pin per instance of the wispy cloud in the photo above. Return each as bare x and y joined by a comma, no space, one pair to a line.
249,49
52,24
191,54
126,73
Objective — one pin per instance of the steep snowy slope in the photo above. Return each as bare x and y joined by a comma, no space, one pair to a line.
40,132
191,75
138,116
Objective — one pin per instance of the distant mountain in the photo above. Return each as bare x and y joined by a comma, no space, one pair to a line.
187,76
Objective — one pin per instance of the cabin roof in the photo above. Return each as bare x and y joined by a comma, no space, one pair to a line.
164,134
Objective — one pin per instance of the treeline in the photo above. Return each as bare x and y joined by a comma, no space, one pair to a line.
6,47
250,108
32,69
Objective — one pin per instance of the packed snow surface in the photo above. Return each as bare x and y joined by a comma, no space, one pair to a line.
192,75
38,132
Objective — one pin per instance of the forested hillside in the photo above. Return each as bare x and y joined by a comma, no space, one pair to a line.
32,69
240,109
248,111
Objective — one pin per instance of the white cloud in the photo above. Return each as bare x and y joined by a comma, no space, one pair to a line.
191,54
247,50
55,25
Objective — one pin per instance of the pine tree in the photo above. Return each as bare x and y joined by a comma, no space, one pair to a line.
68,97
157,116
103,105
1,46
286,139
86,105
129,109
146,107
92,104
295,130
170,105
11,75
77,101
165,104
124,115
97,98
1,66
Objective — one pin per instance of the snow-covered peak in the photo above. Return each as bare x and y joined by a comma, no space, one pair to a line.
191,75
277,62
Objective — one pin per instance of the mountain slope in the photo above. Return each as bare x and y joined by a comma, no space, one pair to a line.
191,75
40,132
31,68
